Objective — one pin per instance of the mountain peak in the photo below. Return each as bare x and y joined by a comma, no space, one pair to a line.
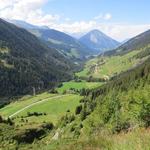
98,41
96,32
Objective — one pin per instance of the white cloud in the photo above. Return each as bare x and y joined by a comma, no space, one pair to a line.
27,10
101,16
107,16
31,11
121,32
75,27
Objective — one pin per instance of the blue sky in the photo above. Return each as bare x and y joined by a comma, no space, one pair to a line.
120,19
131,11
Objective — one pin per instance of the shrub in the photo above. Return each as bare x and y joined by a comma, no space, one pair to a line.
145,115
78,109
83,115
48,126
121,126
53,91
1,119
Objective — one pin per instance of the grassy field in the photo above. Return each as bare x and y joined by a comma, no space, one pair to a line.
23,102
78,85
112,65
54,107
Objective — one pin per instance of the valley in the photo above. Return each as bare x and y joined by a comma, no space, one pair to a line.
31,112
57,95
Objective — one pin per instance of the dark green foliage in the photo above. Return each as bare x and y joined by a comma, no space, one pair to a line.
6,121
83,115
28,136
48,126
143,53
29,63
121,104
121,126
84,92
53,91
145,114
68,118
29,114
1,119
91,79
78,109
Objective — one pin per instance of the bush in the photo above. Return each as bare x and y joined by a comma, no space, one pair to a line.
29,114
121,126
78,109
83,115
48,126
145,115
1,119
53,91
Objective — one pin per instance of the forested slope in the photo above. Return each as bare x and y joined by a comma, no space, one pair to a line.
26,63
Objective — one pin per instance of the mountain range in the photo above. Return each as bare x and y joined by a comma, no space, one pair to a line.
93,42
64,43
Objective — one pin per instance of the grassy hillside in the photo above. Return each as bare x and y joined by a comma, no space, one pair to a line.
55,106
109,66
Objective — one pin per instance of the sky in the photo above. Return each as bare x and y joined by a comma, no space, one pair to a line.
120,19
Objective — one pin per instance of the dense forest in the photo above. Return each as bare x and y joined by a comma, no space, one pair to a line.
27,63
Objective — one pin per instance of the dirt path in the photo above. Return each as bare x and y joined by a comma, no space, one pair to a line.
35,103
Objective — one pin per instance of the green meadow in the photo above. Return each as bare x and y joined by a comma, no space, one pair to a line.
78,85
54,106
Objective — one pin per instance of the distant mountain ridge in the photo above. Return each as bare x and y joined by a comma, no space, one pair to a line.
136,43
98,41
23,24
64,43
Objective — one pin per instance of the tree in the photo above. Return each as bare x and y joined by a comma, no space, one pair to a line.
78,109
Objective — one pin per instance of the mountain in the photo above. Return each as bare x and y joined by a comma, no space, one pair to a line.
77,35
27,63
98,41
67,45
136,43
23,24
124,41
64,43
